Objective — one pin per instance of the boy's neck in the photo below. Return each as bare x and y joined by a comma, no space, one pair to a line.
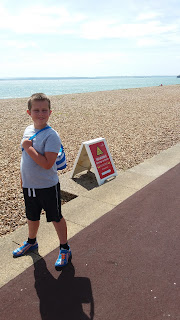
39,127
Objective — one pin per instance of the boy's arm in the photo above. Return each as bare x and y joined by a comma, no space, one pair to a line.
45,161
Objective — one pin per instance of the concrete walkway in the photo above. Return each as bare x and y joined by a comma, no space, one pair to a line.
91,203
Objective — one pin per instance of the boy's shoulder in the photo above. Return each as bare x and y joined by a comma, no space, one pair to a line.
50,132
53,131
29,128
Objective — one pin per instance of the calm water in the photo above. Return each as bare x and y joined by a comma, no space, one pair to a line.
20,88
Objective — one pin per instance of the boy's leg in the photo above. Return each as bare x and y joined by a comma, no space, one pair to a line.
65,251
33,210
52,206
61,230
31,244
33,228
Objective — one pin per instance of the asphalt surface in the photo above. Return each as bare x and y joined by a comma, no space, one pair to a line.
125,265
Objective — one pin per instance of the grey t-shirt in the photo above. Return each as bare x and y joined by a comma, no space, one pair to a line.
34,176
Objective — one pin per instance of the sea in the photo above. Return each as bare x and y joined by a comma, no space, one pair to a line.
25,87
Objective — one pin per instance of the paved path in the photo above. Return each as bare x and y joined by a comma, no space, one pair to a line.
125,265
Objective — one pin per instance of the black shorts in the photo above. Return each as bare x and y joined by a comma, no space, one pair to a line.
48,199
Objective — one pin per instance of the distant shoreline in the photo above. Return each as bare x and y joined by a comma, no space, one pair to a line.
75,78
24,87
86,92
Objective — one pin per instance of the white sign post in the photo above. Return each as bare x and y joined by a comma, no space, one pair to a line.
95,153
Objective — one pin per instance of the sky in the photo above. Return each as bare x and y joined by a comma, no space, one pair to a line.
75,38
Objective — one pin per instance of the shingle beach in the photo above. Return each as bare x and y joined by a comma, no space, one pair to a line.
136,123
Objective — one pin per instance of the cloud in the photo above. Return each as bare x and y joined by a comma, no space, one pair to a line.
58,20
105,29
19,44
73,59
148,15
63,64
90,64
77,36
40,20
148,42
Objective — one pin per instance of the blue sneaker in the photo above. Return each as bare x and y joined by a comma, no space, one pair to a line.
63,258
24,248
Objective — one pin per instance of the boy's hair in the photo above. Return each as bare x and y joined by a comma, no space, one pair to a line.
38,97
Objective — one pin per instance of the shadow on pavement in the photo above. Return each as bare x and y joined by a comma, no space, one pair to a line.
67,297
87,180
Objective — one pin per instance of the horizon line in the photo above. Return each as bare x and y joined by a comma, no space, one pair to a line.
79,77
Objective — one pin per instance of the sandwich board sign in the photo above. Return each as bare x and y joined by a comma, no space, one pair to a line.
95,153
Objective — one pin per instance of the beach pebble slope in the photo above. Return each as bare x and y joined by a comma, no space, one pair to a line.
136,123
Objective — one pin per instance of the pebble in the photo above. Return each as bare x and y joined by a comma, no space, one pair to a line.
136,123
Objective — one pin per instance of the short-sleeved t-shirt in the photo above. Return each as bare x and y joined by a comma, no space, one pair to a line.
33,175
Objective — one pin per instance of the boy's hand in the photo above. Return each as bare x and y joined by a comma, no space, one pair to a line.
45,161
26,144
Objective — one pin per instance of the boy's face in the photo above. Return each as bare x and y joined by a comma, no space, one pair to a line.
39,113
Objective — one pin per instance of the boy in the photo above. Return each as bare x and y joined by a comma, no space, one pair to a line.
39,178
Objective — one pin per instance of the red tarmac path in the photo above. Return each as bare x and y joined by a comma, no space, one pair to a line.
125,266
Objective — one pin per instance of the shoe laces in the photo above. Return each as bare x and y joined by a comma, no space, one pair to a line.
63,256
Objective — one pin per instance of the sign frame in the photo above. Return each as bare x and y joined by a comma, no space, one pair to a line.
85,160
